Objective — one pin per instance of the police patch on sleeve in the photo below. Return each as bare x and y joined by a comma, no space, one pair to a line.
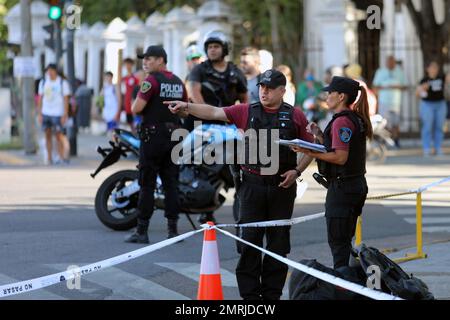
345,134
145,86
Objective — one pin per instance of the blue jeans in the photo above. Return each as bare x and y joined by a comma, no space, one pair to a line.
433,115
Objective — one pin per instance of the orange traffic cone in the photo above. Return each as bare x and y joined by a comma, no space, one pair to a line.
210,284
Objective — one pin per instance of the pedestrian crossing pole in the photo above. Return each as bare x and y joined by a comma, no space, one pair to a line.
358,233
26,50
419,225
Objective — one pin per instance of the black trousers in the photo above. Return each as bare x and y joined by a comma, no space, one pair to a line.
154,159
344,203
263,277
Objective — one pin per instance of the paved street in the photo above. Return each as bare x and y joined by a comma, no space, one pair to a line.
47,222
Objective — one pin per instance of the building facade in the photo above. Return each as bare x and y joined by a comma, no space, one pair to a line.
96,47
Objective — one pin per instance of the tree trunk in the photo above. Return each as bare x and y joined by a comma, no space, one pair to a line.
433,37
274,13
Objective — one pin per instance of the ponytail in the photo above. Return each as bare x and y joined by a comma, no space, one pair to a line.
361,107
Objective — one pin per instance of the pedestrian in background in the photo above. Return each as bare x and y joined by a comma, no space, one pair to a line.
289,96
250,65
129,82
389,82
53,112
111,110
433,109
308,88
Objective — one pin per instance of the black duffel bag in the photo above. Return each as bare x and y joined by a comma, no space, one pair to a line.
303,286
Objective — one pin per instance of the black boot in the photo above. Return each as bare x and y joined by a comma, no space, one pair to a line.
172,228
140,235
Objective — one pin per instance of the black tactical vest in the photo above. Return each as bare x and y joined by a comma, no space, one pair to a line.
219,88
155,112
283,121
356,162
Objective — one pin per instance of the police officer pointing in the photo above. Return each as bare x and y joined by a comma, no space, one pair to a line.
156,146
262,196
344,163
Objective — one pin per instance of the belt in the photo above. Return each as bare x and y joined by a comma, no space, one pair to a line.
347,177
257,179
163,126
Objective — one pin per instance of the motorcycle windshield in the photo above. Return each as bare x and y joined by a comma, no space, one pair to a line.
130,138
208,134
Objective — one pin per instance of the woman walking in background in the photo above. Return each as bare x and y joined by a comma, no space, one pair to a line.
433,108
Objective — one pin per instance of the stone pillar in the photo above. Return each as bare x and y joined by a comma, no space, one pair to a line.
95,44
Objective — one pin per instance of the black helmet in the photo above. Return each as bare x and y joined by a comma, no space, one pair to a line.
216,37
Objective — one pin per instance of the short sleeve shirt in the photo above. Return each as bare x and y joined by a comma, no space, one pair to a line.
342,131
436,88
390,97
129,83
150,87
53,93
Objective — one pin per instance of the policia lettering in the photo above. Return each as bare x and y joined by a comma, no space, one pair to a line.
156,145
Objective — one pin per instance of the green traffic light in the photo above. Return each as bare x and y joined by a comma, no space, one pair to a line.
54,13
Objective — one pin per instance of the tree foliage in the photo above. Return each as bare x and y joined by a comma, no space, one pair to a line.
434,37
275,25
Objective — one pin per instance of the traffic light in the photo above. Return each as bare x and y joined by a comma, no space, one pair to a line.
50,42
55,10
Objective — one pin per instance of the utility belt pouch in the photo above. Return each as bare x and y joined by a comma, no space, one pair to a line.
145,132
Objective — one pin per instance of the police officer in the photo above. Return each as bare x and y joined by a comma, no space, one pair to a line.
156,146
263,196
215,82
344,163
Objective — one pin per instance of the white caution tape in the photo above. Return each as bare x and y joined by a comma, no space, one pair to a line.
271,223
428,186
377,295
42,282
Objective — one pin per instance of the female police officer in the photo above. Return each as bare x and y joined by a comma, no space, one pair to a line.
343,165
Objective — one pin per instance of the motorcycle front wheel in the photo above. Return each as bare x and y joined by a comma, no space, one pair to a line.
124,216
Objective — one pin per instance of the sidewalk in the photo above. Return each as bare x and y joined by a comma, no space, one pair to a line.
86,152
434,270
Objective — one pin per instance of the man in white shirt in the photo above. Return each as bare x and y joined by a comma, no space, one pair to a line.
53,108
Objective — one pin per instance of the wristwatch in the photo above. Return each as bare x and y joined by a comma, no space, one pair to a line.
299,173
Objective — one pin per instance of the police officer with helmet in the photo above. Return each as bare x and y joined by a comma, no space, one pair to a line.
158,122
263,195
215,82
344,164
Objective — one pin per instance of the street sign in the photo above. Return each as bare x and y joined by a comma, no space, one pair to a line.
24,67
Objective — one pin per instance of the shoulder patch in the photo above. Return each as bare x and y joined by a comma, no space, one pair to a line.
145,86
345,134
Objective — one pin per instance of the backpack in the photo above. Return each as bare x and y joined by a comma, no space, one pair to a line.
303,286
393,279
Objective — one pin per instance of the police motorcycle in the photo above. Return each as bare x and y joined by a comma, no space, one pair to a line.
376,148
201,185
